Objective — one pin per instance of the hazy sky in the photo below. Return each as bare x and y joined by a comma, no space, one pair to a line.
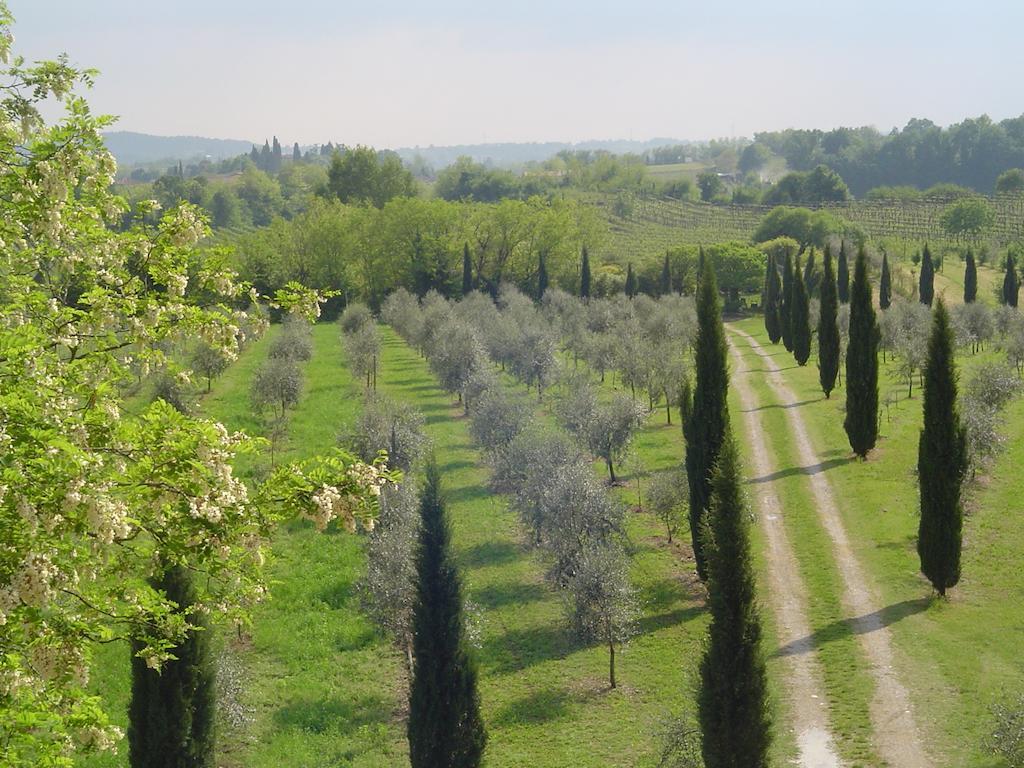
398,73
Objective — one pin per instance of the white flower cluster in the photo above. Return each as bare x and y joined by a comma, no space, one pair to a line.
32,583
188,227
368,476
108,517
329,504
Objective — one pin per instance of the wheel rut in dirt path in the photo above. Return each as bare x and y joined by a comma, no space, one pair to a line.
896,735
788,599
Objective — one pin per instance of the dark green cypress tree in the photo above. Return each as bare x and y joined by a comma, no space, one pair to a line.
885,284
843,275
296,153
970,279
630,281
265,161
665,286
275,156
1011,283
861,422
941,461
542,275
445,728
810,276
800,318
926,291
772,297
171,713
828,329
733,702
786,309
467,271
709,416
585,275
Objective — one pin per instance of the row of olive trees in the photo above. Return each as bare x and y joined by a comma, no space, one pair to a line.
570,517
277,383
361,340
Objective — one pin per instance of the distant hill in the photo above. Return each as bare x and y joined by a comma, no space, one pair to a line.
141,148
511,154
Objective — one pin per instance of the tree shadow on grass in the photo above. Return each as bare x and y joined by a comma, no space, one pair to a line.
509,593
858,625
519,649
534,709
665,620
488,553
333,714
454,464
467,493
664,593
813,469
784,406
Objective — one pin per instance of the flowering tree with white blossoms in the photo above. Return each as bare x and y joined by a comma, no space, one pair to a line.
93,501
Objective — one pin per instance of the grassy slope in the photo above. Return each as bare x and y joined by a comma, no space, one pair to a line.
322,688
957,656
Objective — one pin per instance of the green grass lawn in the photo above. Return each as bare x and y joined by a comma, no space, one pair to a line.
958,656
322,688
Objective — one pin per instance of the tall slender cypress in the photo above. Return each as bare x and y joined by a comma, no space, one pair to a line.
445,728
630,281
810,275
467,271
970,279
828,329
665,286
542,275
800,317
1011,283
861,422
843,275
171,714
885,284
786,310
772,297
733,701
926,290
585,275
709,416
941,461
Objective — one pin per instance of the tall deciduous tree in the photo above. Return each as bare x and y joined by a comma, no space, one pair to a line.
970,278
786,313
843,275
885,284
773,299
585,275
733,701
828,329
706,424
171,714
1011,283
445,727
800,317
467,271
861,422
941,461
926,291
